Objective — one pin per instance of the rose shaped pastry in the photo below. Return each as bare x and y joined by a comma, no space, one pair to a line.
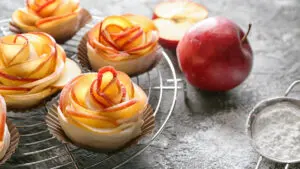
32,67
4,133
103,110
59,18
127,42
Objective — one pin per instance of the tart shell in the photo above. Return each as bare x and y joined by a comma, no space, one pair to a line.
14,141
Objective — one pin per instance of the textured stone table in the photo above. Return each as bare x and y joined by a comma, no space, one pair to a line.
210,133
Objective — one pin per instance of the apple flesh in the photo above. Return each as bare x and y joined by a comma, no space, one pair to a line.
215,54
174,18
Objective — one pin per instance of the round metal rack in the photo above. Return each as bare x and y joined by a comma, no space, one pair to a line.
39,149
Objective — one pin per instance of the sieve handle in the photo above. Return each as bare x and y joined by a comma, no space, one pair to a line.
287,92
287,166
258,162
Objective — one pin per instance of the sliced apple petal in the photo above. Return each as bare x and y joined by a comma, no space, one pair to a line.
114,28
128,36
64,98
81,89
67,24
116,20
40,84
41,37
130,108
4,90
54,20
25,17
102,131
121,106
126,81
28,100
14,51
71,71
92,120
101,98
145,23
47,8
107,49
64,8
107,40
26,67
125,34
11,80
137,39
152,38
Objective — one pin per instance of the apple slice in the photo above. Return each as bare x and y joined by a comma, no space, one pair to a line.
47,8
71,70
126,81
174,18
145,23
63,8
28,100
88,116
81,88
121,106
4,90
64,98
14,49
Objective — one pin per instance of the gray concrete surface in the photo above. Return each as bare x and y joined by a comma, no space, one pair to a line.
210,135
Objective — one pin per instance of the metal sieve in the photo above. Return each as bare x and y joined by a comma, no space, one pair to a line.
273,126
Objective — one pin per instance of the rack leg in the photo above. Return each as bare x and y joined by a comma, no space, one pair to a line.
258,162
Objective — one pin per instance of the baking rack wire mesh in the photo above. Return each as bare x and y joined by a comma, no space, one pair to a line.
39,149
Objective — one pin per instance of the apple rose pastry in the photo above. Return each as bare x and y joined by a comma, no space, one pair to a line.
128,42
32,67
4,132
103,110
59,18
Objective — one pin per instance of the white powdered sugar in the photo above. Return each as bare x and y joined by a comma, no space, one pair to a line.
276,131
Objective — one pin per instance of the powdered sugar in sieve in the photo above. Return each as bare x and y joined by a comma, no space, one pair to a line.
276,131
274,128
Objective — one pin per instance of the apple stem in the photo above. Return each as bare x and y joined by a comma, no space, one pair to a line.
245,36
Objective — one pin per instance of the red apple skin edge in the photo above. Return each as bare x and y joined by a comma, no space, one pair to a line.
213,56
169,44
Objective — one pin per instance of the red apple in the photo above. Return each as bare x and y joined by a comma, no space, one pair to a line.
215,54
174,18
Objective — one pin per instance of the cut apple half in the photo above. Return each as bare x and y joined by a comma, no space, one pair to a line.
71,70
174,18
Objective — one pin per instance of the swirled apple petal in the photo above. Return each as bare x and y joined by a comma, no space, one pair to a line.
71,70
28,99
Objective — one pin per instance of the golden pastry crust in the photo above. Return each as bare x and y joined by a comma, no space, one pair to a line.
32,67
59,18
106,113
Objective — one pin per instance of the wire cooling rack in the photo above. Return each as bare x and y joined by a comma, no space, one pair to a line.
39,149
